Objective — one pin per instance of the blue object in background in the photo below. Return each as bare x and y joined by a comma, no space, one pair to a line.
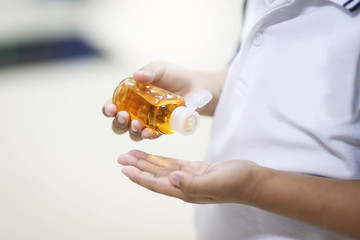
45,50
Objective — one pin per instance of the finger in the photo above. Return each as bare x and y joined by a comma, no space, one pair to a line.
121,122
141,164
149,133
136,127
170,163
109,109
193,185
151,72
144,76
152,182
158,161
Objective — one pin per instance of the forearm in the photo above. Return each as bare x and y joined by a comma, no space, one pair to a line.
327,203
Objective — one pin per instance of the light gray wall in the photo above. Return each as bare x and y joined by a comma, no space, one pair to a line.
59,178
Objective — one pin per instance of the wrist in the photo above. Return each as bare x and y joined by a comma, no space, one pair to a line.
257,182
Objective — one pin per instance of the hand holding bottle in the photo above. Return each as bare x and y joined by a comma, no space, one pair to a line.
172,78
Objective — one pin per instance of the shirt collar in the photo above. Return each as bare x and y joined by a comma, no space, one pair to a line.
350,5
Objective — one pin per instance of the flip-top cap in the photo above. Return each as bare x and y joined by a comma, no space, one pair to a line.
185,120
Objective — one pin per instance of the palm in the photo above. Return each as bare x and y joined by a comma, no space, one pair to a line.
204,182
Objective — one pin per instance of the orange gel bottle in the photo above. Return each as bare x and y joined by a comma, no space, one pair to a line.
157,108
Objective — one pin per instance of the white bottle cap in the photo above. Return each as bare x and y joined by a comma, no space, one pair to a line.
185,120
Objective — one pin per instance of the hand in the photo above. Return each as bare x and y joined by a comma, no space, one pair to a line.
332,204
122,123
172,78
196,182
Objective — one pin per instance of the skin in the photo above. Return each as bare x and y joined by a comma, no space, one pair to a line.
172,78
327,203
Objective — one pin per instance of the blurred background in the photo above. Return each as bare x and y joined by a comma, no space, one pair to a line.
60,60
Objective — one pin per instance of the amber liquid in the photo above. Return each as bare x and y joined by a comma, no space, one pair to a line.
151,105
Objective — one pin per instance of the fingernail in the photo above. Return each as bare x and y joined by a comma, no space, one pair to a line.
145,134
107,112
146,73
121,120
133,128
126,159
175,180
110,110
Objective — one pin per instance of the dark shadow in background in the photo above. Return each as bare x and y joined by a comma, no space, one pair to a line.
41,51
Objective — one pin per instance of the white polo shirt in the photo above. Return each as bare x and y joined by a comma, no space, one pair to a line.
291,102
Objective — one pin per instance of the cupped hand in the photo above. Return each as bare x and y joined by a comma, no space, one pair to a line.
196,182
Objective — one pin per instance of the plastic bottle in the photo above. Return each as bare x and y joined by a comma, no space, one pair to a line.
159,109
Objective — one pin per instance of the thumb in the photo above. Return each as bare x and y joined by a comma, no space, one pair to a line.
185,182
151,73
